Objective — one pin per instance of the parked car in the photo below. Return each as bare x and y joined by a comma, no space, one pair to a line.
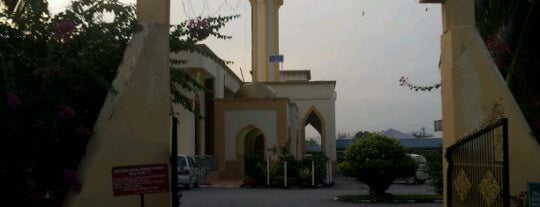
188,171
422,173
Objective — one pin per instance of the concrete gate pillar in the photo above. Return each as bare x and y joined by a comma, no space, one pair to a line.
133,127
472,87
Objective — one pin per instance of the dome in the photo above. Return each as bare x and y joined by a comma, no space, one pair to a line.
255,90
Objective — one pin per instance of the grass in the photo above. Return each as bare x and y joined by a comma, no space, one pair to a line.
389,198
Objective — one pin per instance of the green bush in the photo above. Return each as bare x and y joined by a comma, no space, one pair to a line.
298,171
377,160
304,176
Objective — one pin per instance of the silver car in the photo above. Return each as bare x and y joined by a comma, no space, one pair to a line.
188,171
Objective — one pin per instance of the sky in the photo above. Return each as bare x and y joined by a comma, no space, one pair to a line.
365,45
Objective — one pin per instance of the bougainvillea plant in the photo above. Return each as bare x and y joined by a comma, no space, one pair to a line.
404,82
55,72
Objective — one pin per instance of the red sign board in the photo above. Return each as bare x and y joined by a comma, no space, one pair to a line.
140,179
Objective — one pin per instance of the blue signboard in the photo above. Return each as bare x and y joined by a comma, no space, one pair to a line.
534,195
275,58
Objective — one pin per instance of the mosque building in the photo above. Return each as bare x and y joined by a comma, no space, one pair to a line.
239,120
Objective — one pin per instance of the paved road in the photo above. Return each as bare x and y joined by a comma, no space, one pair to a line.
217,196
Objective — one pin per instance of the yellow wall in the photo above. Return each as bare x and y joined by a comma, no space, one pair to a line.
133,125
471,86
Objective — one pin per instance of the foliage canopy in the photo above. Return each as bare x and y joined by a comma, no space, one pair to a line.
55,72
377,160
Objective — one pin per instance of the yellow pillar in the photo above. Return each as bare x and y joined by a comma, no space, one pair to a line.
133,127
452,21
265,38
472,86
153,11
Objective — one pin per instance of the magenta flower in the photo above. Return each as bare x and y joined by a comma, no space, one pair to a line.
64,29
13,101
66,113
499,49
403,81
198,29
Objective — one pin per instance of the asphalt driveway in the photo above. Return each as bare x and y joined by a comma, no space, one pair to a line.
222,196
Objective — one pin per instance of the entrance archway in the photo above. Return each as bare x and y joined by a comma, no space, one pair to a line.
314,118
250,148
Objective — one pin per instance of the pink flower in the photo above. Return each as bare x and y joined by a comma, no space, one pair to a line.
403,81
64,29
499,49
13,101
66,113
198,29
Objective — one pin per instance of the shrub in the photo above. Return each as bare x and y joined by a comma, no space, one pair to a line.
304,176
320,166
298,171
377,160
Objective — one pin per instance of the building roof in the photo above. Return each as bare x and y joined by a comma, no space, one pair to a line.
313,148
205,50
414,143
394,133
343,143
423,143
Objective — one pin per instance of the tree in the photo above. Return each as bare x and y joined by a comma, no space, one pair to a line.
360,134
377,161
342,135
17,7
55,72
311,141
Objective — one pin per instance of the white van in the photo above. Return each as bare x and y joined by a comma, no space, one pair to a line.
188,171
422,173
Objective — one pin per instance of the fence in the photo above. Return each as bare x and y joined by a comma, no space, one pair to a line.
207,164
478,168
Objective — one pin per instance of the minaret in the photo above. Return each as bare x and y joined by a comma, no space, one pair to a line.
264,39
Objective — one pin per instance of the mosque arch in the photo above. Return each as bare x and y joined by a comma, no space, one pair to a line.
250,146
314,118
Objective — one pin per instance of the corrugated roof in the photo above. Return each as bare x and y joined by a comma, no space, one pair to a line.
415,143
313,148
424,143
343,143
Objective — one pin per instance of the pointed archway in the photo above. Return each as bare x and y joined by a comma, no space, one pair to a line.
314,118
250,148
